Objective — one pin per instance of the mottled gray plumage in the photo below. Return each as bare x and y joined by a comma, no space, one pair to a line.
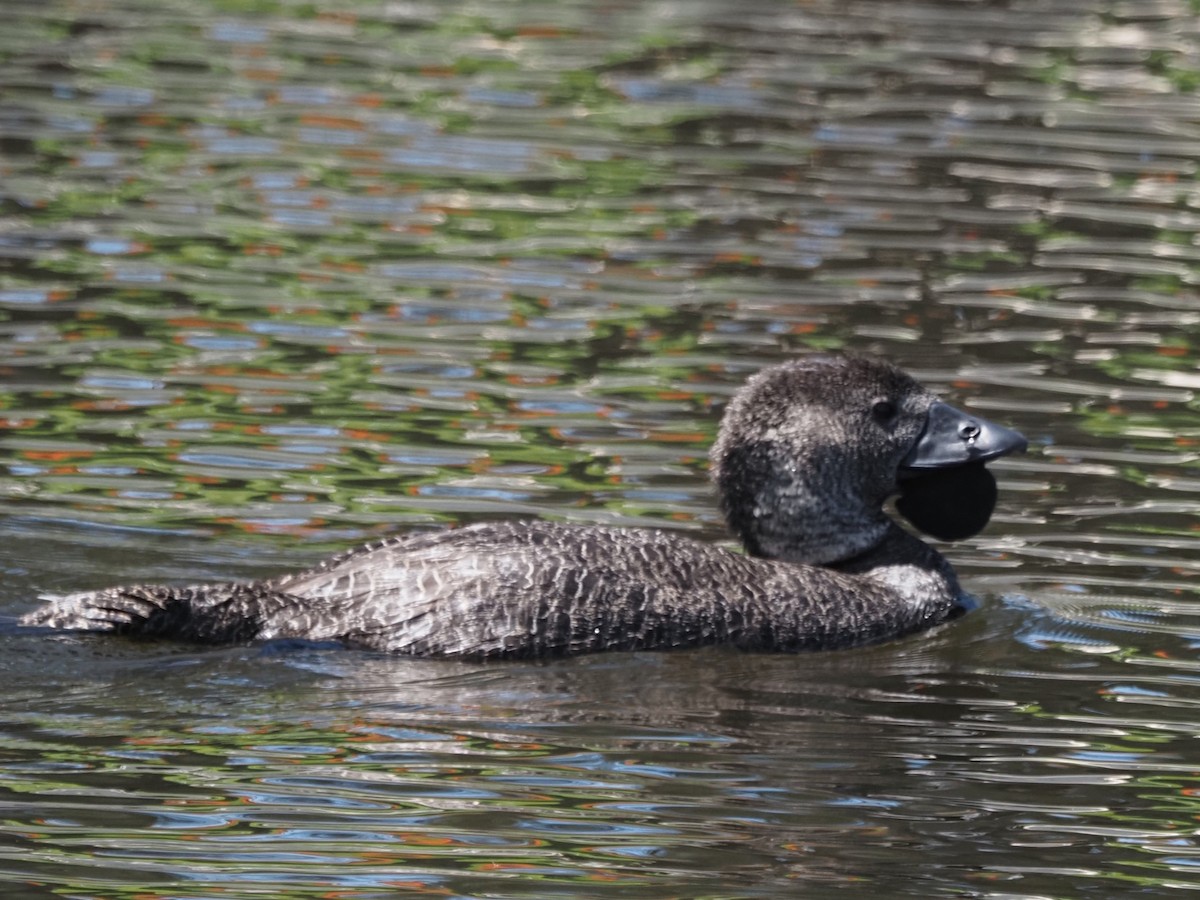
807,454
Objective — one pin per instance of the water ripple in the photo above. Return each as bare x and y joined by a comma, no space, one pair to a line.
276,281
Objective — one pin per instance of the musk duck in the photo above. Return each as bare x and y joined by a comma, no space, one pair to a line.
807,454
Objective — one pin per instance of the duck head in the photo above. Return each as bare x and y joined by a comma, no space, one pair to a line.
808,451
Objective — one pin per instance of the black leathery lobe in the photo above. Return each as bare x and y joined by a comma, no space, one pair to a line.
949,504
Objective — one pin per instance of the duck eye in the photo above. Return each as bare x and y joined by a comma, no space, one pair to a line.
884,411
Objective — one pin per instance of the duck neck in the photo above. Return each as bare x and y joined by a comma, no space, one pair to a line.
823,541
808,507
908,566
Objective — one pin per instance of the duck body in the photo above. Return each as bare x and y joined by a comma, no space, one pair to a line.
536,589
808,453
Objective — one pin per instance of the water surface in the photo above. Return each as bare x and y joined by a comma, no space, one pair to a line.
276,278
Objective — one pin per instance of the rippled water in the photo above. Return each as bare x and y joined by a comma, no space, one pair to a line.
278,277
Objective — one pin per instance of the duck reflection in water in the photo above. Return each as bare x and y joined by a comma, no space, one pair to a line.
807,454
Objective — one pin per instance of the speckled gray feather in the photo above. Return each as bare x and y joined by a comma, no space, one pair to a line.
806,457
803,465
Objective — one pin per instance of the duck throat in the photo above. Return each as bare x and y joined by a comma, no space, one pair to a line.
815,515
813,533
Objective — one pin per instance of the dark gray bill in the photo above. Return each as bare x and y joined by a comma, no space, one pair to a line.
955,438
